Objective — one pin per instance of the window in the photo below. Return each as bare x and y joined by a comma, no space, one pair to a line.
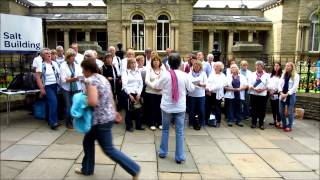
137,33
60,39
80,36
236,37
163,33
217,40
197,41
102,39
314,39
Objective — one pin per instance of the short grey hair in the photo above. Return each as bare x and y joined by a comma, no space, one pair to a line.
261,63
209,55
59,47
42,51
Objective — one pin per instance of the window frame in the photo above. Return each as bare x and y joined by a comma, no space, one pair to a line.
201,41
312,37
57,42
163,48
137,22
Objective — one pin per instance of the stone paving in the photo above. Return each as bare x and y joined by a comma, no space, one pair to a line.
30,150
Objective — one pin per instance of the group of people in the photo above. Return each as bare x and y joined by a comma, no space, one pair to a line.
158,92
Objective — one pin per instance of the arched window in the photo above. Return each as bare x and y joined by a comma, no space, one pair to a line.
314,38
163,35
137,32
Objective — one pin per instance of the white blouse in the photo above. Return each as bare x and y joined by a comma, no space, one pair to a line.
132,82
293,84
151,79
263,84
243,82
184,85
216,84
199,91
65,73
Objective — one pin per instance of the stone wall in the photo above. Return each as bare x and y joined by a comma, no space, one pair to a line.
311,105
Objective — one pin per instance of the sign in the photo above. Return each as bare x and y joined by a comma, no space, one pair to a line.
20,33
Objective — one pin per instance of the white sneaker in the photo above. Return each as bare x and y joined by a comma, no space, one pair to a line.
160,127
153,128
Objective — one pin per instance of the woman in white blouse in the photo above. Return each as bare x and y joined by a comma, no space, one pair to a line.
274,94
197,97
132,87
216,83
288,85
70,74
153,96
258,83
235,92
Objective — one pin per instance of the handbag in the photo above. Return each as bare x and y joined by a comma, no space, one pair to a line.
39,109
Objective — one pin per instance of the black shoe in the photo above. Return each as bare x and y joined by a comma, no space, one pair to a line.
262,127
140,128
179,162
271,124
162,156
129,129
240,125
230,124
253,126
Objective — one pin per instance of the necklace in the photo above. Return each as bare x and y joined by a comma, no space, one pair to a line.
157,73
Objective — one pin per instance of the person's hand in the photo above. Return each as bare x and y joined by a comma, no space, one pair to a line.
259,90
118,118
42,92
137,98
131,98
110,78
208,93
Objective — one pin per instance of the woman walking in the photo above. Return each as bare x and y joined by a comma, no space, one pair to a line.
174,84
288,86
100,98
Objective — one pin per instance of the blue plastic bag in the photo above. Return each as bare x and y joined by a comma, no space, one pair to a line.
39,109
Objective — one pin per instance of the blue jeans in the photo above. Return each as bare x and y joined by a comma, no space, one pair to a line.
197,107
290,102
102,133
179,124
67,95
51,98
245,109
233,110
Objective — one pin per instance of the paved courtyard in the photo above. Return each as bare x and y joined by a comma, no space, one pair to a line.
30,150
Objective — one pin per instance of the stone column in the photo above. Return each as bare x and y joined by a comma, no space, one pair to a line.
172,37
87,34
176,39
250,36
298,38
230,43
124,37
210,41
66,38
154,35
306,38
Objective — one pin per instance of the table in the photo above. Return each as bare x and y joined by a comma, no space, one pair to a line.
10,93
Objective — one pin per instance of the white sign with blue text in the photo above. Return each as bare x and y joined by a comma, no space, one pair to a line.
20,33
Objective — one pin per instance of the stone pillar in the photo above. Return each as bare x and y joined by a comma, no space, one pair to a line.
210,41
66,38
250,36
154,35
87,34
306,38
230,43
298,38
124,37
176,39
172,37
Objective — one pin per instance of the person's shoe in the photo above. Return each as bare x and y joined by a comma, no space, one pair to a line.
129,129
54,127
230,124
160,127
240,125
153,128
140,128
218,125
272,124
162,156
180,162
253,126
262,127
287,129
78,171
70,127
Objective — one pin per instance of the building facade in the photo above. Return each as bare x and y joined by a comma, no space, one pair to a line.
278,29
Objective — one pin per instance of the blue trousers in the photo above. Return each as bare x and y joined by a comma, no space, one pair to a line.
233,110
102,133
178,118
290,102
51,98
67,95
197,107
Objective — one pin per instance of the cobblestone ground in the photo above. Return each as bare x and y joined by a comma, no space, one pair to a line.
30,150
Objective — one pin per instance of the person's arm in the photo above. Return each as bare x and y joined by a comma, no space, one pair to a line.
189,85
124,78
295,85
147,80
40,84
92,93
140,85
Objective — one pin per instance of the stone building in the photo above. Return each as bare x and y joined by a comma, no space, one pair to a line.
278,29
